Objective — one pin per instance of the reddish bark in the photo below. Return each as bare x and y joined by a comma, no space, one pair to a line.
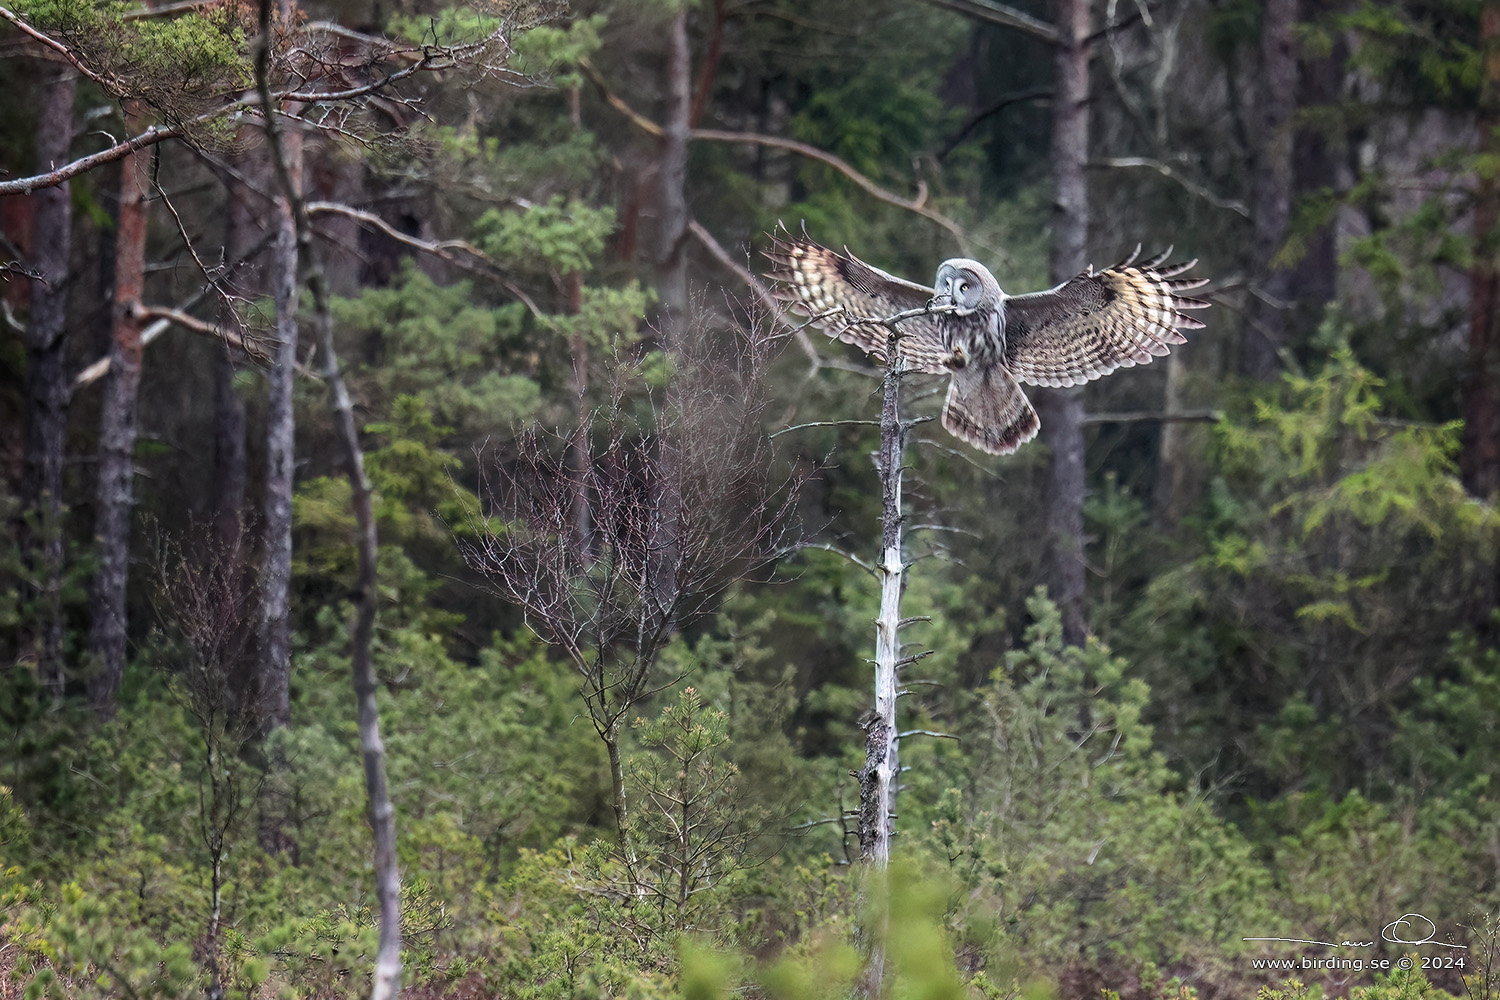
704,88
115,495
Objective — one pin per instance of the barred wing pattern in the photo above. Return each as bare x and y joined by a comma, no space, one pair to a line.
846,298
990,342
1094,323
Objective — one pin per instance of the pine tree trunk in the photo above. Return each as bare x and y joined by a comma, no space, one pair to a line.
47,393
1480,456
671,207
671,284
115,497
276,646
275,663
1061,410
1265,334
1316,153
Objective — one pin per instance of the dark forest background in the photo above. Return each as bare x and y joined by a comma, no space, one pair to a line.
1217,657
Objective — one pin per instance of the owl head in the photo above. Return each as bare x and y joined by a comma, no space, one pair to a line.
967,285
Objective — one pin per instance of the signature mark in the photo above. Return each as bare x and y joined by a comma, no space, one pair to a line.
1423,931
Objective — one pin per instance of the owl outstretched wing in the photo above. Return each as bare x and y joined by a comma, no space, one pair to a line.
846,298
1097,322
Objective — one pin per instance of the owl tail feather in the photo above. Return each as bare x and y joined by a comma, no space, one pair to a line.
987,408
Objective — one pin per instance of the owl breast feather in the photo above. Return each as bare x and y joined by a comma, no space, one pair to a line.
980,336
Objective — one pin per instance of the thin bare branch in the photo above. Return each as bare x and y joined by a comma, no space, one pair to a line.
329,96
166,10
1013,98
164,318
52,178
757,288
467,255
211,281
856,560
914,205
990,12
818,822
1147,416
1166,170
824,423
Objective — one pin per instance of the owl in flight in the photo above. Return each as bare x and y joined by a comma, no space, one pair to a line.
989,341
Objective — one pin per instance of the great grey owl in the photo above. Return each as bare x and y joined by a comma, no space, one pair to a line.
987,340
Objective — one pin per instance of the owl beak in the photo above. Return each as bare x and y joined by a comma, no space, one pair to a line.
942,300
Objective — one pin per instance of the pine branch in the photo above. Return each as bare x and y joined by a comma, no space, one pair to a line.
61,49
52,178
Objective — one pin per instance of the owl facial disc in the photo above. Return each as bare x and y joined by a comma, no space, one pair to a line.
961,284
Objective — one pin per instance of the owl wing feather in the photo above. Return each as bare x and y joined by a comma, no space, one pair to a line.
1092,324
847,298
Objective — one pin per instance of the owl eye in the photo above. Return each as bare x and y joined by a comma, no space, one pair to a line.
963,288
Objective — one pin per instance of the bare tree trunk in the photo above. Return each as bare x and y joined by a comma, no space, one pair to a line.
882,767
387,976
1266,333
1061,410
877,778
881,772
1480,457
47,392
115,497
578,450
276,644
610,735
292,220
